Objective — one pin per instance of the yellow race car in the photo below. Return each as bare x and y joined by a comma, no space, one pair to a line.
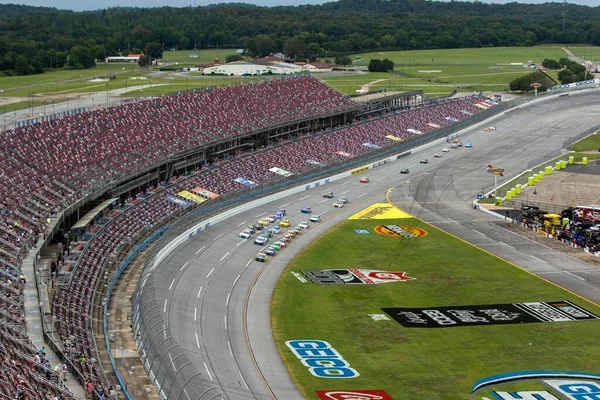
285,223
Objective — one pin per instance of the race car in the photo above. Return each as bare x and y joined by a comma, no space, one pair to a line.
261,257
315,218
306,210
445,150
260,240
275,229
490,128
291,234
297,231
280,244
424,161
251,229
269,251
245,234
337,204
271,218
303,224
258,227
328,195
275,246
364,180
284,223
343,200
281,211
284,239
404,171
437,156
468,145
263,221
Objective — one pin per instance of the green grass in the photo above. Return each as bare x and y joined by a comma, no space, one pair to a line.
413,363
488,55
204,55
590,143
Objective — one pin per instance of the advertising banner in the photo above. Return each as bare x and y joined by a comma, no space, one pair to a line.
190,196
371,145
180,202
394,138
280,171
204,193
244,182
491,314
343,153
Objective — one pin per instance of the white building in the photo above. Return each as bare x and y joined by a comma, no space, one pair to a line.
241,68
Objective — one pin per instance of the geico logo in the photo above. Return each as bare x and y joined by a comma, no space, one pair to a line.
374,212
525,395
575,389
322,360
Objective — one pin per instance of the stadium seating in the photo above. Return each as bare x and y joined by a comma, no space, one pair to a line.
46,167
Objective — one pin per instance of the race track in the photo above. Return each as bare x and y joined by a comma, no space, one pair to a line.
205,285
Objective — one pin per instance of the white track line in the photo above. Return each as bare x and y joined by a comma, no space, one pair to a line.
230,351
240,224
199,291
225,321
165,306
578,277
211,271
208,372
260,215
361,195
218,236
323,201
240,242
345,183
286,204
243,380
345,192
201,248
378,179
508,245
304,198
184,265
197,340
226,254
227,301
248,263
172,283
476,231
236,279
195,312
539,259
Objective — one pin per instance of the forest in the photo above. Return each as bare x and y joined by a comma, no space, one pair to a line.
37,39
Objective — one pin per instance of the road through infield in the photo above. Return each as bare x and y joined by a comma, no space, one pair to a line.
390,305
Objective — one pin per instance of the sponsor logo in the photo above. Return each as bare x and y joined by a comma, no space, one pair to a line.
299,277
380,211
377,164
358,171
528,375
379,317
407,232
353,395
403,155
493,314
495,170
575,389
322,360
524,395
353,276
361,231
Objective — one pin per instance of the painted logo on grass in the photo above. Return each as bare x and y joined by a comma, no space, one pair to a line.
493,314
380,211
353,276
400,231
563,385
353,395
322,360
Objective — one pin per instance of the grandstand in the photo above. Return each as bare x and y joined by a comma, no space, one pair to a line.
49,169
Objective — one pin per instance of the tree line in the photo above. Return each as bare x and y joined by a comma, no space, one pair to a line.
35,39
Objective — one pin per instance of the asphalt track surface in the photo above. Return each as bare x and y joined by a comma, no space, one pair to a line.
205,285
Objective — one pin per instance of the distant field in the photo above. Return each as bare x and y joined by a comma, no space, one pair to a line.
590,143
204,55
488,55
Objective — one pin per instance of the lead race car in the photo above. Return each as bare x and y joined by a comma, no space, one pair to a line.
364,180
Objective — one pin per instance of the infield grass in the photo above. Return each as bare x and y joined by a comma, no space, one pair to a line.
420,363
590,143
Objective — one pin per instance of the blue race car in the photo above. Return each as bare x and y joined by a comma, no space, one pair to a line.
468,145
306,210
269,251
275,229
